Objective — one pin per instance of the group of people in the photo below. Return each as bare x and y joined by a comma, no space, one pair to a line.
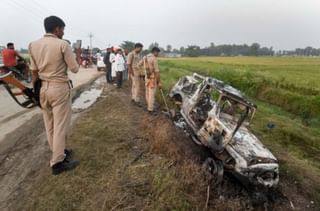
116,65
51,57
121,65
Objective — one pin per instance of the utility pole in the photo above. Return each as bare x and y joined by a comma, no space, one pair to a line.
90,37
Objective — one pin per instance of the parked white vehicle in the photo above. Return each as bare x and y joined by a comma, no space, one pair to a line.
100,64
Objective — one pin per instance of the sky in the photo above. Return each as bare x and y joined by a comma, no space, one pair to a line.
281,24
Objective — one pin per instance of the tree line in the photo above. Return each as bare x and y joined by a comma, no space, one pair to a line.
308,51
254,49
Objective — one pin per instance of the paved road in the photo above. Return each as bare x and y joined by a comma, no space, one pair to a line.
13,116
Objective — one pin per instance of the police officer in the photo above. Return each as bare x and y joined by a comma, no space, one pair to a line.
51,57
134,72
152,78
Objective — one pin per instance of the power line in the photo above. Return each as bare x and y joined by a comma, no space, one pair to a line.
18,6
26,8
40,8
75,27
39,12
33,6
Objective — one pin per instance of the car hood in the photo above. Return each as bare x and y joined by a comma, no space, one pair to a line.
250,148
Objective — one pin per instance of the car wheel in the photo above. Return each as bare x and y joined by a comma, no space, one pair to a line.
214,170
258,197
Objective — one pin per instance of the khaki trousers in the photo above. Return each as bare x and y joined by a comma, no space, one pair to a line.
136,86
150,97
55,99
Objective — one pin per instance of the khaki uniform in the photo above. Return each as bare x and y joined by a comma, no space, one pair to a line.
151,83
134,59
52,57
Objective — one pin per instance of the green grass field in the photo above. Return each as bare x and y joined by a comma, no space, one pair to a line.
287,92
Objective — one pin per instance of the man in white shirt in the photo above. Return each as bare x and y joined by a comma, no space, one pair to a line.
113,65
120,65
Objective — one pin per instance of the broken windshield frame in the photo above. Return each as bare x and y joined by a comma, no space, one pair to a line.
233,109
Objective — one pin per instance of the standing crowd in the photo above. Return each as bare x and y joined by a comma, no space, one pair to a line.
121,65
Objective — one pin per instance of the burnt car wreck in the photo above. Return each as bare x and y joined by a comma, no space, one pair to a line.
218,116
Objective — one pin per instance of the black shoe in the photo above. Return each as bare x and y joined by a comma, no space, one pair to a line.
138,104
65,165
68,153
153,113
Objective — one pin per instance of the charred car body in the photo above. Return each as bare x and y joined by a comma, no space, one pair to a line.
217,116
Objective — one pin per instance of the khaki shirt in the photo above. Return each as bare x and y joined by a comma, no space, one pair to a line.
153,63
134,59
52,57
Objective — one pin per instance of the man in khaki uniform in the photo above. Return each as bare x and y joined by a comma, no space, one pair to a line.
134,59
152,78
51,57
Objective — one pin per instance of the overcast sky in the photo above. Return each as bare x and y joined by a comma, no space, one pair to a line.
283,24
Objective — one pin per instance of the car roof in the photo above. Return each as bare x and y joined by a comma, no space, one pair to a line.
227,90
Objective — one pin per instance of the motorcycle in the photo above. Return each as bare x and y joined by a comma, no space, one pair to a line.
21,71
24,96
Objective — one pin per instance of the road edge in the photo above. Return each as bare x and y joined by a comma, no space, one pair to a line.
6,143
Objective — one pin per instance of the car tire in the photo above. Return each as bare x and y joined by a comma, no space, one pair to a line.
214,170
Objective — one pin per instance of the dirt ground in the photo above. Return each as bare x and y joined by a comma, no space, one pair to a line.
129,161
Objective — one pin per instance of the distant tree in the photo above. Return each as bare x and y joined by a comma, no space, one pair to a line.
192,51
145,52
169,48
254,48
182,50
155,44
271,51
235,50
308,51
175,50
127,45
